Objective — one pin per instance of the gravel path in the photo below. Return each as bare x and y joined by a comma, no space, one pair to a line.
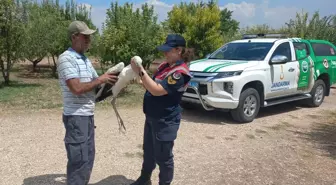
211,151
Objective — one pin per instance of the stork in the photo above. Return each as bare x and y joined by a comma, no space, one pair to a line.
125,76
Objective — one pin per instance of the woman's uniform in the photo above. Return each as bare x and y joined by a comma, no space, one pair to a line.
163,116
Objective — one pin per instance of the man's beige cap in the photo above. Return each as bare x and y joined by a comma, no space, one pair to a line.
79,27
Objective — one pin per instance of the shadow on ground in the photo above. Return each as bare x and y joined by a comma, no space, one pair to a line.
19,84
42,71
199,115
323,135
59,179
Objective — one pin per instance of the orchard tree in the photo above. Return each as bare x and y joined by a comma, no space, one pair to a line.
199,23
127,33
228,26
37,32
11,36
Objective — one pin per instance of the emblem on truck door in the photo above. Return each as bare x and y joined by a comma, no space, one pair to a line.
325,63
304,66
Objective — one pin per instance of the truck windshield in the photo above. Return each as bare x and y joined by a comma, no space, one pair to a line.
242,51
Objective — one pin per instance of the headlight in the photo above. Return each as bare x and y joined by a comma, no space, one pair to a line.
228,74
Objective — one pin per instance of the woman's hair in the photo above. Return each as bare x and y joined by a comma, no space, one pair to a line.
188,54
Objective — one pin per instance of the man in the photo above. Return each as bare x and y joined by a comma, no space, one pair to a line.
78,80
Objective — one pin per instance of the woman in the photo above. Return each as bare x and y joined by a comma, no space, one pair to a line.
161,107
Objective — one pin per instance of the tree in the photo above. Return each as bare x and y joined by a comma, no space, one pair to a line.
228,26
60,18
37,31
11,34
315,28
127,33
199,24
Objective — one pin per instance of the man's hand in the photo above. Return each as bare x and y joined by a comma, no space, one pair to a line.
110,78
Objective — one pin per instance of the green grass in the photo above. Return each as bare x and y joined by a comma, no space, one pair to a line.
45,93
41,94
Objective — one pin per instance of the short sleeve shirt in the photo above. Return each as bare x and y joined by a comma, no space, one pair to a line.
71,65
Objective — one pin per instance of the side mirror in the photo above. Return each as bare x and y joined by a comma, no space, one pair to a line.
279,59
300,54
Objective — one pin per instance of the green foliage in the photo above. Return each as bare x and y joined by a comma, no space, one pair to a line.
200,25
228,26
37,31
127,33
301,26
11,36
315,28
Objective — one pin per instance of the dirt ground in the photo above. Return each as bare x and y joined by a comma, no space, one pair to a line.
294,146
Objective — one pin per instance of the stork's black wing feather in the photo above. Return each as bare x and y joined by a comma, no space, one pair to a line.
106,92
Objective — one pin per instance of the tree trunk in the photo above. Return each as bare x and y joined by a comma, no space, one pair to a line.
3,69
35,62
6,77
8,67
54,68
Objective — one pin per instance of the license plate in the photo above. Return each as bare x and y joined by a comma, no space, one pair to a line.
193,84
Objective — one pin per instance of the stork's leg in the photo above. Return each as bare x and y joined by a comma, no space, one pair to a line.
120,121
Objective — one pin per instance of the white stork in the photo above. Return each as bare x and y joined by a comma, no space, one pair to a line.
126,75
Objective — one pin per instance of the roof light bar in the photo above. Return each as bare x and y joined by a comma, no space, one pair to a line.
262,35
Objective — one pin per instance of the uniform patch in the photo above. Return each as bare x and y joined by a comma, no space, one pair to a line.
171,80
176,75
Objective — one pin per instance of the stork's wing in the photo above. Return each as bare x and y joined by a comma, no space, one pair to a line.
103,92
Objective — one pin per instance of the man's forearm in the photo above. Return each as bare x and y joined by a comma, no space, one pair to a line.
83,87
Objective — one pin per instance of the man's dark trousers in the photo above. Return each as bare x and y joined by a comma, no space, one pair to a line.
80,146
159,136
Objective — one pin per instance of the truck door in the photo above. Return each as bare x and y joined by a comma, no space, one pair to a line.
283,74
305,72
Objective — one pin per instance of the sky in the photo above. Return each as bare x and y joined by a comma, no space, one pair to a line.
249,12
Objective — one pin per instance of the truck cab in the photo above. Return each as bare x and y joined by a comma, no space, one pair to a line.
260,71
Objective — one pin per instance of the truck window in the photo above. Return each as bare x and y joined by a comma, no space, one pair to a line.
323,49
301,46
242,51
283,49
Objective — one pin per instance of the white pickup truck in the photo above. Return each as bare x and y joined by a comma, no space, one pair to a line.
254,72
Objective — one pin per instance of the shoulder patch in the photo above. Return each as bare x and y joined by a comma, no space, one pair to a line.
176,75
171,80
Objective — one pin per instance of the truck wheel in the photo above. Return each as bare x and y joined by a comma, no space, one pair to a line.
317,93
248,107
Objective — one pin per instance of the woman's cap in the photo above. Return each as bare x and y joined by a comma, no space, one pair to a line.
172,41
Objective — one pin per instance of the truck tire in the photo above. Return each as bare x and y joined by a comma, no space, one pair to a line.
317,93
250,99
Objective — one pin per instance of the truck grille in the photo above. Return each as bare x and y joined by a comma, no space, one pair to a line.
202,88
